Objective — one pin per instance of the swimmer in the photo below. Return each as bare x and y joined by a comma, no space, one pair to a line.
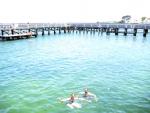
88,95
70,102
72,98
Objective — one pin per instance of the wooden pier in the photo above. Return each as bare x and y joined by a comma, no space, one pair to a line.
18,36
23,30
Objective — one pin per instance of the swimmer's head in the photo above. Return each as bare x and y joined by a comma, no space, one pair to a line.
86,90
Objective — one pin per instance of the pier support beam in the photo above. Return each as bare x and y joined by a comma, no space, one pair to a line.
99,29
59,30
134,32
76,31
65,30
29,30
91,30
42,31
68,29
54,31
2,32
116,31
12,31
36,32
80,30
48,31
108,31
145,31
87,30
125,31
94,30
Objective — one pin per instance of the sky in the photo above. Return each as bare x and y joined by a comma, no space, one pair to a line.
62,11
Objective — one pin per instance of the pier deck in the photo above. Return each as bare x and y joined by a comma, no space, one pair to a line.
17,36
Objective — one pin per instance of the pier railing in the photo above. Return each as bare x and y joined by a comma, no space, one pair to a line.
96,25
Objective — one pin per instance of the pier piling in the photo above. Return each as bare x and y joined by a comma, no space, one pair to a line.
116,31
125,31
134,31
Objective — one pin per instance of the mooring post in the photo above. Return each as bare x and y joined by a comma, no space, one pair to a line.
134,32
125,31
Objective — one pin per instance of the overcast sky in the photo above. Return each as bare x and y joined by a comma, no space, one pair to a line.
71,10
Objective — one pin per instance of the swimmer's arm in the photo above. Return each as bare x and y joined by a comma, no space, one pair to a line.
91,94
64,100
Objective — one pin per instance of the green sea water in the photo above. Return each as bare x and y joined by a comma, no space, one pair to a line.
35,72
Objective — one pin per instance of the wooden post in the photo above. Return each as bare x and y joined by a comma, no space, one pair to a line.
104,29
48,31
99,29
91,30
145,31
29,30
73,29
94,30
83,30
108,31
36,31
134,32
87,30
2,32
42,31
12,31
59,30
65,30
54,31
125,31
68,29
80,30
116,31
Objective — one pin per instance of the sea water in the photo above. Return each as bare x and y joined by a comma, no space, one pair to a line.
35,72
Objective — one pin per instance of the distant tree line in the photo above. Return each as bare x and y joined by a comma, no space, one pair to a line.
127,18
